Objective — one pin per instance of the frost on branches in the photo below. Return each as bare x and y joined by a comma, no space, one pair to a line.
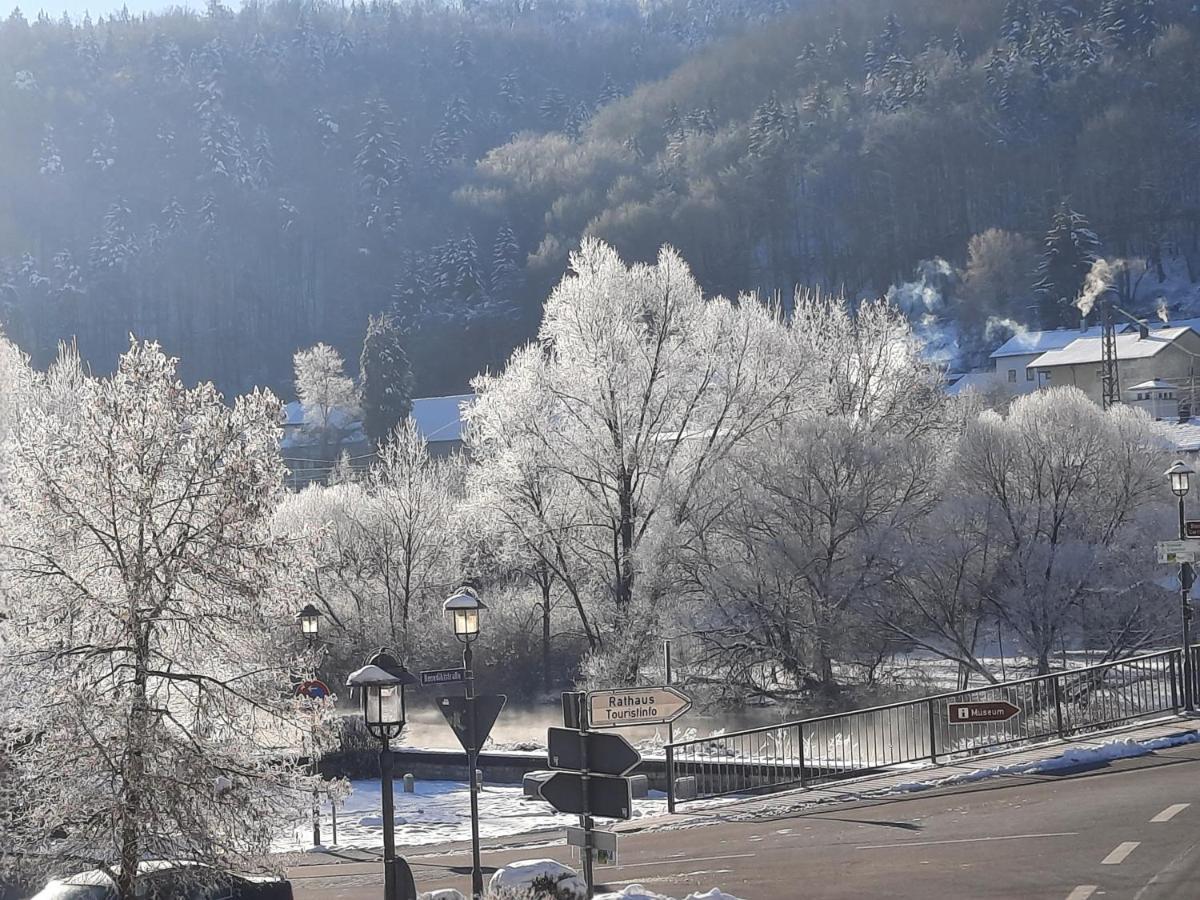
148,660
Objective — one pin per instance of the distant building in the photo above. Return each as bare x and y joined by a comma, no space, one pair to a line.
440,420
1011,360
1165,354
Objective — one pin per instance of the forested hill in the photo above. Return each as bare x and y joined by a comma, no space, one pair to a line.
242,184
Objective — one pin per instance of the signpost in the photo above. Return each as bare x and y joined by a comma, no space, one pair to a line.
313,689
982,711
1180,551
576,793
639,706
444,676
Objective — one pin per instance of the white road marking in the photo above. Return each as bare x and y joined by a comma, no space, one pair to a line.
689,859
1170,812
1082,892
1002,837
1119,854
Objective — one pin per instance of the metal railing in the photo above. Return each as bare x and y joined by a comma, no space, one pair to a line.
843,745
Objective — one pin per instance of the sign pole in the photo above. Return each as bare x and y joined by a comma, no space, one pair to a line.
1185,590
585,820
472,764
670,737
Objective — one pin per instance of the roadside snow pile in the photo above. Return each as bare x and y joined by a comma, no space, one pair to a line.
637,892
541,878
443,894
1072,758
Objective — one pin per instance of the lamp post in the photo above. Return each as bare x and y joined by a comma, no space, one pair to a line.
382,682
310,626
464,608
1180,476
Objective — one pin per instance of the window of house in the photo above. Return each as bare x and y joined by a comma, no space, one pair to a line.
1029,374
1012,376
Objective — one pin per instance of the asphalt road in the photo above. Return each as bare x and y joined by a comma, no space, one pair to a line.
1128,829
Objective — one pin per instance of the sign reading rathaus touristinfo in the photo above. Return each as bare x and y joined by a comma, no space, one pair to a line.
636,706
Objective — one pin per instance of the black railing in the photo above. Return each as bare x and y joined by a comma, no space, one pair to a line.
844,745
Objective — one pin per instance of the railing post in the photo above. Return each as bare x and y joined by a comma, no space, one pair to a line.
1174,683
1058,717
932,732
670,779
800,753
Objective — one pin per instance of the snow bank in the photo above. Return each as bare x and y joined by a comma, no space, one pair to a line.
542,878
637,892
443,894
1072,758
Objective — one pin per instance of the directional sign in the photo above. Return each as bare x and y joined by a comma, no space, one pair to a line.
983,711
1178,551
608,797
444,676
1191,528
607,754
636,706
457,713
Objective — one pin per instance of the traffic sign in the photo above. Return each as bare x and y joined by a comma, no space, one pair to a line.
604,844
607,754
983,711
444,676
313,689
1180,551
636,706
608,796
457,710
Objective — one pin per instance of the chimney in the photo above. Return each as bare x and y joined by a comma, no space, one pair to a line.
1082,324
1143,331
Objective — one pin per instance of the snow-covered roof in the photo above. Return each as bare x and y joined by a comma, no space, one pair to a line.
971,381
1030,342
1182,436
1154,384
296,436
1129,346
293,416
440,418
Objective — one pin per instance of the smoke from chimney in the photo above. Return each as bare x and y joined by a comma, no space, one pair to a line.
1098,280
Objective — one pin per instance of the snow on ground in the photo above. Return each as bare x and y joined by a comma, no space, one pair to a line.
1073,757
520,878
439,812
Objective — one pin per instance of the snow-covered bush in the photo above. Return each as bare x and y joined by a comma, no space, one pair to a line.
536,879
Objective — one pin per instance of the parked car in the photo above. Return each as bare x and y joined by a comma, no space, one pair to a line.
170,881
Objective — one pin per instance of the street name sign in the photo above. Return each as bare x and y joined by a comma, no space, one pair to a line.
637,706
607,753
982,711
608,796
457,711
444,676
1191,528
1184,551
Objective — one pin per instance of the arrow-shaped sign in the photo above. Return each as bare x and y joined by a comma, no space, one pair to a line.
982,711
636,706
608,796
607,753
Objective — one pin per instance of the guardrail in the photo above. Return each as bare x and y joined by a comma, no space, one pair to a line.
843,745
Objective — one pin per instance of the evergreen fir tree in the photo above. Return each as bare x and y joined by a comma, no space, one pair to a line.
510,91
116,245
1070,249
507,278
50,163
385,378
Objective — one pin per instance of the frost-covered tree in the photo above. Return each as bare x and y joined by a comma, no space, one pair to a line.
326,392
385,377
640,387
147,599
1068,490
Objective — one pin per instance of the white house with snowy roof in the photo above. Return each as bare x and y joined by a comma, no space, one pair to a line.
1168,355
440,421
1012,359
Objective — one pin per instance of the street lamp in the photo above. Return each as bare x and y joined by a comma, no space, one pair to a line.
310,622
310,625
1180,476
464,608
382,682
